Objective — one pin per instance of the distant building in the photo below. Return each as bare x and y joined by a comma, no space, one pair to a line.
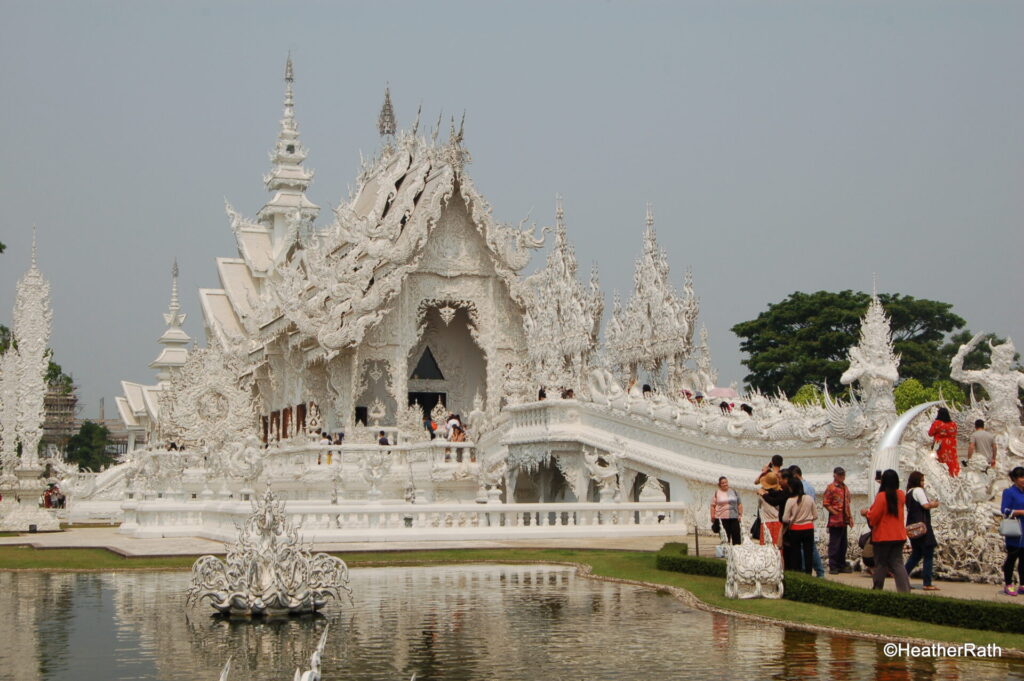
59,422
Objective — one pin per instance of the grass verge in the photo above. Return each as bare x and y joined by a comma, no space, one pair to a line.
628,565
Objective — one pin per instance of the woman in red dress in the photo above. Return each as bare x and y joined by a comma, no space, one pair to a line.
943,430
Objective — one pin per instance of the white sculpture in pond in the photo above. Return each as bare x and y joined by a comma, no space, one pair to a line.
753,571
1001,381
268,572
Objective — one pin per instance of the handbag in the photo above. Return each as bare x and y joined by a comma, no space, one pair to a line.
864,539
755,529
915,530
716,526
1010,528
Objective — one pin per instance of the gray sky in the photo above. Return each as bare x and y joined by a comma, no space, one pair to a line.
785,146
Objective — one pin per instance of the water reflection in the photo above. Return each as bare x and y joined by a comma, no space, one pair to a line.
471,622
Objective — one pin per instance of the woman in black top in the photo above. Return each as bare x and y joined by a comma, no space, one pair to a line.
919,510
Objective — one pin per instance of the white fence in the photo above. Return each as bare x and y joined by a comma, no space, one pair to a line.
362,522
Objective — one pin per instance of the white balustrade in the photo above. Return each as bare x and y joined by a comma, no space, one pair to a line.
324,522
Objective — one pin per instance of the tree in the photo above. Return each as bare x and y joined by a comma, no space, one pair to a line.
809,394
805,338
910,393
88,447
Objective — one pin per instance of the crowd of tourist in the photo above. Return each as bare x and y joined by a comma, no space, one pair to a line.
786,518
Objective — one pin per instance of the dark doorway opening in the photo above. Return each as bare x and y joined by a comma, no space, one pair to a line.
427,401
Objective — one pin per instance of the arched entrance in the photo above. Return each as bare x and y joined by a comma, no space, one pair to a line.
446,363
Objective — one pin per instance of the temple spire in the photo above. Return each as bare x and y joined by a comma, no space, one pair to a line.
288,179
386,125
649,218
33,265
174,338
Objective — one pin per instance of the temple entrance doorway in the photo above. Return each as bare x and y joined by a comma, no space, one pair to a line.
427,401
446,361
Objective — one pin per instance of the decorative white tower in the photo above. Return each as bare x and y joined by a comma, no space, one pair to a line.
32,324
23,388
174,338
288,180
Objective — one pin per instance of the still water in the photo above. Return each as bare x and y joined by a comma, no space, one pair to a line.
468,622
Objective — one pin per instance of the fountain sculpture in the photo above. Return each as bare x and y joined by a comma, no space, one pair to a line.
268,572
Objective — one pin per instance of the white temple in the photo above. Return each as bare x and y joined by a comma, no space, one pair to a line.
411,300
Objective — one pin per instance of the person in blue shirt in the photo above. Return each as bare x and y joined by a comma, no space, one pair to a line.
1012,506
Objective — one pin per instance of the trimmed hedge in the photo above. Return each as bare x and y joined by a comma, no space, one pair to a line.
691,565
676,548
953,612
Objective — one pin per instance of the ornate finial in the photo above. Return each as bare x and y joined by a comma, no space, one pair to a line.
386,120
559,214
289,99
874,284
416,123
650,216
175,305
437,128
33,247
462,127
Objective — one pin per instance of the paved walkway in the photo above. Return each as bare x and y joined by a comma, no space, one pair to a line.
967,590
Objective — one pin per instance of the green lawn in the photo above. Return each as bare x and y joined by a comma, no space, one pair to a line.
631,565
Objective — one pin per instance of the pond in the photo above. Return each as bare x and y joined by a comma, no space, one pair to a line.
465,622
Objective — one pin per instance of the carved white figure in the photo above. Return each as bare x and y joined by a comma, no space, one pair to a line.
603,472
753,571
874,365
268,571
1001,381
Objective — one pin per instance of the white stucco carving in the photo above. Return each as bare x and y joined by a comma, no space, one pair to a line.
1001,381
753,571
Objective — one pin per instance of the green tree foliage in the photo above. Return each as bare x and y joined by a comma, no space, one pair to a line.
804,339
88,447
809,394
910,393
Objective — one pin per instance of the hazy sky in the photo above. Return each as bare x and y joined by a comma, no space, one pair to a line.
785,145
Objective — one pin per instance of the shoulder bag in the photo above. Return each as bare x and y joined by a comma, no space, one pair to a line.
1010,528
915,530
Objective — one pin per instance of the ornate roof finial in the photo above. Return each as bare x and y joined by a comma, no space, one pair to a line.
416,123
33,265
559,214
650,216
175,306
874,284
386,120
437,127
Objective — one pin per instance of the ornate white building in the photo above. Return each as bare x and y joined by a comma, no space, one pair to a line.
410,300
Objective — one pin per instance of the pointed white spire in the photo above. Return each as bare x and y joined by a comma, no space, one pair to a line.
34,259
649,220
386,125
174,338
288,179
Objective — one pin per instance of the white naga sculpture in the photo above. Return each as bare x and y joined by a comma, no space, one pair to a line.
268,572
753,571
1001,381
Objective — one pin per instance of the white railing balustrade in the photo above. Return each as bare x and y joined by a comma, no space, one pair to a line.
323,522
